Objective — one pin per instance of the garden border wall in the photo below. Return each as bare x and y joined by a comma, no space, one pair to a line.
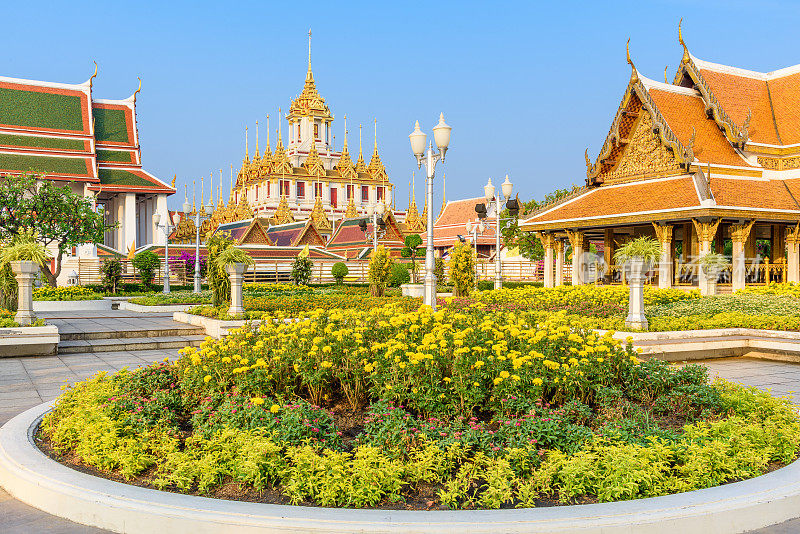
33,478
166,308
29,341
71,305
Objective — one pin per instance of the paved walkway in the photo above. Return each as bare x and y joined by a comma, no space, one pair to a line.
26,382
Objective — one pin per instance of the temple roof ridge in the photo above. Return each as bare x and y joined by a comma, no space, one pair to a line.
745,73
655,84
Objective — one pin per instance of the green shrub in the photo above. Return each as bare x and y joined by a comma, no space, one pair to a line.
218,279
301,270
438,271
146,262
112,275
462,269
339,271
399,275
380,268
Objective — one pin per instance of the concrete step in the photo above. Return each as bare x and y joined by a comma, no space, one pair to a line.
186,330
129,343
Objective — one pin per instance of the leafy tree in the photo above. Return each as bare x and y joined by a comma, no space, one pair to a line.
146,262
23,246
61,218
380,266
218,279
399,275
112,275
339,271
462,269
301,270
438,271
529,245
413,250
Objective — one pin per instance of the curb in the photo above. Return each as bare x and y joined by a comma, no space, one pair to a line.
33,478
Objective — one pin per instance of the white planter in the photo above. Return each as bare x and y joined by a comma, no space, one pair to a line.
71,305
412,290
709,276
236,274
636,272
25,272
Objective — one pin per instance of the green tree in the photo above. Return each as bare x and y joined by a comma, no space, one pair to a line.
23,246
218,279
301,270
412,250
112,274
61,218
339,271
380,267
529,245
146,262
462,269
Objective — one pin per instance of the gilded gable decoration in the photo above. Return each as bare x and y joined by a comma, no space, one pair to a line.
644,154
313,165
351,211
319,218
283,214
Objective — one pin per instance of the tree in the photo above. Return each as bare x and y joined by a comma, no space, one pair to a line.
146,262
412,250
339,271
218,279
62,219
529,245
301,270
462,269
112,274
380,266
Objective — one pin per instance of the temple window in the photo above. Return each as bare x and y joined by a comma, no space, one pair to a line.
379,193
316,131
334,197
364,193
351,192
285,188
317,189
301,190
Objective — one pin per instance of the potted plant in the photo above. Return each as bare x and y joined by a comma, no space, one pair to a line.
711,265
24,256
234,261
637,255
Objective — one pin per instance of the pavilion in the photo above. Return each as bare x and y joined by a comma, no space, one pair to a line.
709,162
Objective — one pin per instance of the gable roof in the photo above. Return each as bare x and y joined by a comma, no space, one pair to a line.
452,221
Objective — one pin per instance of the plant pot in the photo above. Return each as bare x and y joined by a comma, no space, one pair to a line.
636,269
25,273
412,290
236,273
710,274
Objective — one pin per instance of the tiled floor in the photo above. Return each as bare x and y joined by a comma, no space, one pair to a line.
26,382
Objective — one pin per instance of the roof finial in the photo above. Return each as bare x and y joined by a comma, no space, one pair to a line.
231,182
258,152
194,196
359,140
269,145
686,55
246,145
211,184
634,75
280,122
220,187
665,74
309,49
93,76
345,132
376,135
444,192
138,89
413,187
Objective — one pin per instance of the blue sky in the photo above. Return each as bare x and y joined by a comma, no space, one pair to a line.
526,86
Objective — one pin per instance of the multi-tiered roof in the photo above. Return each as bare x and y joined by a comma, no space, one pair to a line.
60,132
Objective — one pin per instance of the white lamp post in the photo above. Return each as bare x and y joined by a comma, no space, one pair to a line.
441,134
489,192
167,228
202,213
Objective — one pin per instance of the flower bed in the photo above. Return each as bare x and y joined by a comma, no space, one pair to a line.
385,407
65,293
174,297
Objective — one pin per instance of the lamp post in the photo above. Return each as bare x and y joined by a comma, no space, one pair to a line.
202,214
441,134
167,228
489,192
475,228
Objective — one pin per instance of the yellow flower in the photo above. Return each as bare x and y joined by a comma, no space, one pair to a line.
206,378
257,401
274,408
537,381
504,374
497,380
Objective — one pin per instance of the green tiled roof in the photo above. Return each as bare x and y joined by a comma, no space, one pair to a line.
116,156
32,141
109,125
123,177
43,164
40,110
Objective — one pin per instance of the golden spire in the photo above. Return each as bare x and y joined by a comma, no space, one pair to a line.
280,133
344,147
211,193
202,191
268,150
230,198
246,147
309,52
634,73
258,151
376,169
194,196
376,135
221,202
361,167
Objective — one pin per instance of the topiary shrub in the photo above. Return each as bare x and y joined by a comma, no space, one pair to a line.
380,267
413,250
339,271
146,263
438,271
301,270
399,275
112,275
462,270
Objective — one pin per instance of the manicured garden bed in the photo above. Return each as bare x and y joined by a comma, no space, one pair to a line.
65,293
389,407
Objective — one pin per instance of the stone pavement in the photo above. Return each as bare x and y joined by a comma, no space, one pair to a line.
26,382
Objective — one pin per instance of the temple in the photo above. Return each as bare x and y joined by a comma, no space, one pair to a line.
60,132
304,176
707,163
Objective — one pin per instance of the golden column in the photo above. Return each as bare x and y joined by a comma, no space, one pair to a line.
559,262
793,254
578,241
739,236
548,243
664,236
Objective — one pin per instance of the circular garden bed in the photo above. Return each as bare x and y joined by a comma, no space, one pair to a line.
390,408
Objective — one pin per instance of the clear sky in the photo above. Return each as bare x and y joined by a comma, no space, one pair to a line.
526,86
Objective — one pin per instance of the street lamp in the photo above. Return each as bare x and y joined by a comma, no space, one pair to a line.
441,134
489,193
167,228
202,214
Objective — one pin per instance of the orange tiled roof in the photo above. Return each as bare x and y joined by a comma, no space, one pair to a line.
634,197
785,92
762,194
685,115
452,222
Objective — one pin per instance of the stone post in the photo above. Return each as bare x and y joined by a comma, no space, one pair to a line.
739,235
664,236
25,272
559,262
236,274
578,240
637,270
710,276
547,242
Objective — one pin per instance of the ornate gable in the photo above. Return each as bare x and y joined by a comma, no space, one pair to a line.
283,214
319,218
313,165
376,168
644,154
255,235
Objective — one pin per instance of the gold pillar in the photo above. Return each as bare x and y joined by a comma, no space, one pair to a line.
578,240
608,247
548,242
739,236
706,231
792,253
664,236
